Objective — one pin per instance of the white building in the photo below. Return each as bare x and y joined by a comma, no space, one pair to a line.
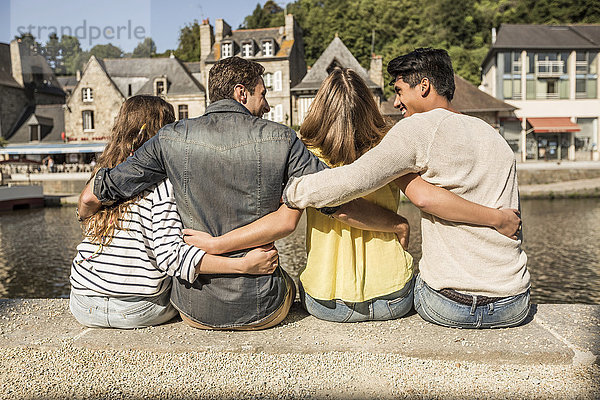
550,74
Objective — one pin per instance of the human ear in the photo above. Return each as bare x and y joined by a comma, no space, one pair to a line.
425,86
239,94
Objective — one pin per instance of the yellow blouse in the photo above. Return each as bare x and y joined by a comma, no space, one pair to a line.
352,264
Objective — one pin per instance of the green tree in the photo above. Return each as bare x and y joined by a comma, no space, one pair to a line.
73,57
29,41
267,16
189,42
147,48
51,51
106,51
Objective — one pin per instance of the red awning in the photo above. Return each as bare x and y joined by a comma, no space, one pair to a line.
557,124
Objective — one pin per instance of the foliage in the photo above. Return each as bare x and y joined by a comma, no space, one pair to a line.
461,27
3,142
267,16
106,51
145,49
189,43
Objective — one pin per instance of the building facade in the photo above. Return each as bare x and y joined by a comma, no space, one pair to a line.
550,73
279,50
105,84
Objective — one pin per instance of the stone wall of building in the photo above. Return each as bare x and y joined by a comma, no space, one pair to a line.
107,100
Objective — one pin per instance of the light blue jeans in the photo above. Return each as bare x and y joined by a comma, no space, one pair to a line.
391,306
122,312
438,309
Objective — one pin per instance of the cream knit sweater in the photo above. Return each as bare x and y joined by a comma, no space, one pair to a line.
457,152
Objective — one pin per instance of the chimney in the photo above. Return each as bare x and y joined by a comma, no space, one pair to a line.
222,29
207,39
78,75
376,70
290,25
15,61
493,36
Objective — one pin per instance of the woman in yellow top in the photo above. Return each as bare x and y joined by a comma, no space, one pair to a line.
354,272
351,274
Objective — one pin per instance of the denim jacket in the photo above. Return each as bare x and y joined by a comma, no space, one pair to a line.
228,168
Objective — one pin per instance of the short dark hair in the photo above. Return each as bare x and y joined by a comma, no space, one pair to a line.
433,64
231,71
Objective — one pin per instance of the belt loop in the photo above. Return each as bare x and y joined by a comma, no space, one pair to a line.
474,306
491,309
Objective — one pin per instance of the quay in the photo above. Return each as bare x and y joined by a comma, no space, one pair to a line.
45,353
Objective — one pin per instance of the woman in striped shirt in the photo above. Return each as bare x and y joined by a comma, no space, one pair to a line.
121,275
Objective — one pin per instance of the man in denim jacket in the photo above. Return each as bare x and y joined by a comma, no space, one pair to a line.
228,168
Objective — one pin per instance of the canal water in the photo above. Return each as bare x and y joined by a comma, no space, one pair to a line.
562,240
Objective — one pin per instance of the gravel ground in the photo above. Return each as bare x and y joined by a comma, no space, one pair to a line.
69,372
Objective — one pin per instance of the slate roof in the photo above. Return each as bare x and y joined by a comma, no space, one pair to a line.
66,82
282,47
50,116
337,53
141,72
545,37
467,99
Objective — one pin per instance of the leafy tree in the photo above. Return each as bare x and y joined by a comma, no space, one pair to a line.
147,48
189,42
106,51
29,41
267,16
73,57
51,51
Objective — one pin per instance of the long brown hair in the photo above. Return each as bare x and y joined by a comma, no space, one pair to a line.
127,136
343,121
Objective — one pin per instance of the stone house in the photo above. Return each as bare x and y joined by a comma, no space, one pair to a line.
105,84
335,55
550,74
31,102
280,50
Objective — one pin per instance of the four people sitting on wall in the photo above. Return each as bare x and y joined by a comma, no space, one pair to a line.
228,170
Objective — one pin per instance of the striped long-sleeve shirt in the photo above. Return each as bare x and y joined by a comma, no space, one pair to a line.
142,257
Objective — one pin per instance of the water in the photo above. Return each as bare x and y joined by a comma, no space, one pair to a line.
561,240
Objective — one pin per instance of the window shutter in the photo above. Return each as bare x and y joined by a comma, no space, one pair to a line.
277,81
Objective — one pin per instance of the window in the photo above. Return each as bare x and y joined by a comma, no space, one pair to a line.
182,111
586,75
86,94
267,48
268,78
226,50
277,81
88,120
34,132
247,49
159,87
276,114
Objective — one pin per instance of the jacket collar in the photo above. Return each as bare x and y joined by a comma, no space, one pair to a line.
227,105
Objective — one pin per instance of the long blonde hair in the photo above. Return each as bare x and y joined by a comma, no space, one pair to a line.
127,135
343,121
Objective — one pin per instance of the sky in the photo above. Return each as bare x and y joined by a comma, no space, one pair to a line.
124,23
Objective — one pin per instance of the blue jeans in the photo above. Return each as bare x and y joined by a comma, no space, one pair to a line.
391,306
438,309
122,312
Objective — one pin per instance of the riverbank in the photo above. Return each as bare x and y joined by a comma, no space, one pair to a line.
537,180
45,353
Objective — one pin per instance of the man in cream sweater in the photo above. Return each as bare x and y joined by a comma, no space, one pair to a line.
470,276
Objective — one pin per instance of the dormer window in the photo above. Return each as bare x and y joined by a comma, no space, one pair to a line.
247,49
87,95
160,86
267,48
226,50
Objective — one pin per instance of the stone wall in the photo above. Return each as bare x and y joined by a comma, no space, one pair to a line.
105,104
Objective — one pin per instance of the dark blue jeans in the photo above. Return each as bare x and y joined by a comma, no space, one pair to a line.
438,309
